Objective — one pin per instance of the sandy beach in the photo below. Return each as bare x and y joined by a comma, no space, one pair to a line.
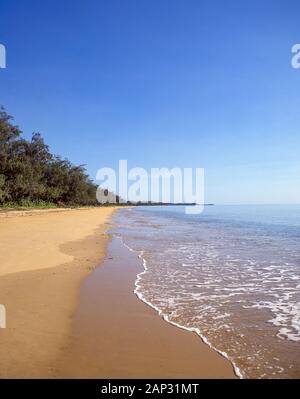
117,335
44,255
66,319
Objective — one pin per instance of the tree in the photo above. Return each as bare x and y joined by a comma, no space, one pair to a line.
29,172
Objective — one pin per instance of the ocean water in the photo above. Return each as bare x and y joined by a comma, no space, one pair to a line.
231,274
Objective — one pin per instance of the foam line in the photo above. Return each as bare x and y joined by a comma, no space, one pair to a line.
139,294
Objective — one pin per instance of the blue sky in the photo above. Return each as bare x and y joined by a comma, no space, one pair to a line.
161,83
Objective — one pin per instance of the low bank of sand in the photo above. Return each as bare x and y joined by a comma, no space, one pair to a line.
66,320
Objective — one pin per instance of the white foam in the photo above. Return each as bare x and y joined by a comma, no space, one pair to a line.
165,317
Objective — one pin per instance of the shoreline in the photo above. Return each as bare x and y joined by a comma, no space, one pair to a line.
116,335
164,317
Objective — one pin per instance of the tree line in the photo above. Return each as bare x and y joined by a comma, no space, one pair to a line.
31,175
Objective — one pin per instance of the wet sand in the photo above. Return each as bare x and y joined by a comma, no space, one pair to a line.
116,335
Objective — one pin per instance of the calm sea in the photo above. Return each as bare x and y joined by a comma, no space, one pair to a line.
231,274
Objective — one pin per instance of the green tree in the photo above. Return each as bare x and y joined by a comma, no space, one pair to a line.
30,173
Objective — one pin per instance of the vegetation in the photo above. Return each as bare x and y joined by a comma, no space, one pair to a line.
31,176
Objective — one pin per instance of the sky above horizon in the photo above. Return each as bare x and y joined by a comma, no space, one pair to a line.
161,83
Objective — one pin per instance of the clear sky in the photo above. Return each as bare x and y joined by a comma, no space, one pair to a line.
162,83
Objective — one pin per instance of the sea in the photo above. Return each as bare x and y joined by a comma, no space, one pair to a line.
230,274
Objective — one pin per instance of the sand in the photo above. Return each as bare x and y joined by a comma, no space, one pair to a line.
116,335
44,255
66,317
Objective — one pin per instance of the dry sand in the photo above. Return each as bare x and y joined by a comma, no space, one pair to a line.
101,330
44,255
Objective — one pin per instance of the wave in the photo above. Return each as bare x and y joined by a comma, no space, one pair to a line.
138,292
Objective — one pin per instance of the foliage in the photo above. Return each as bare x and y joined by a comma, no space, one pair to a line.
31,176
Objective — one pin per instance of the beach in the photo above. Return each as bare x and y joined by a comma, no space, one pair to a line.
72,312
44,255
